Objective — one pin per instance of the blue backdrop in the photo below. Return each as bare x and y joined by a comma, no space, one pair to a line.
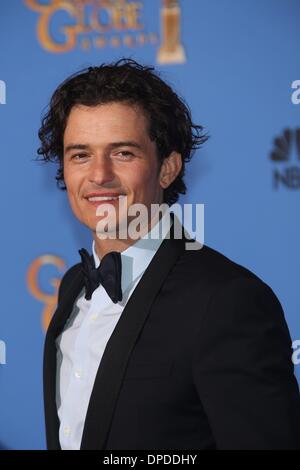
236,68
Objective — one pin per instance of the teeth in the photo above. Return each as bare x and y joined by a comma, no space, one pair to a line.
104,198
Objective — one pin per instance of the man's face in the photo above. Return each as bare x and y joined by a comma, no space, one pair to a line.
108,152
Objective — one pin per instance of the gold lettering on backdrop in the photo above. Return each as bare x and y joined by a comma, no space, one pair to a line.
119,16
75,9
171,49
106,17
49,300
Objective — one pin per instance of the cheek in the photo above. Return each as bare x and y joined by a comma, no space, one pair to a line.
143,179
73,195
72,181
68,178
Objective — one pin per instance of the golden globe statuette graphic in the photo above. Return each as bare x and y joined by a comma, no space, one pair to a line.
50,301
171,50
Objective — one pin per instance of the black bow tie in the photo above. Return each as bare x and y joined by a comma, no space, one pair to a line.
108,274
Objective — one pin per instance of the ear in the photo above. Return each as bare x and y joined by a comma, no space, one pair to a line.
170,169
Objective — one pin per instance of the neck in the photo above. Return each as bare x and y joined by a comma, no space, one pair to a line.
106,246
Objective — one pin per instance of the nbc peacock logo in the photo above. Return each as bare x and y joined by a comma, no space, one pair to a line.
285,157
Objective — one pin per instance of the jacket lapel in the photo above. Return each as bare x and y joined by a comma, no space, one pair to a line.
121,343
57,323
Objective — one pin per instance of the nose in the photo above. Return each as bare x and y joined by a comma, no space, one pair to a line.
101,170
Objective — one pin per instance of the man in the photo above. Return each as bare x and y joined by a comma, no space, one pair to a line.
153,346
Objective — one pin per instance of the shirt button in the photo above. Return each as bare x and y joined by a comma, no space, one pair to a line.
94,316
78,374
67,431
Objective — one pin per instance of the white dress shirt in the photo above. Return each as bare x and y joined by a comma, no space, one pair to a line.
81,345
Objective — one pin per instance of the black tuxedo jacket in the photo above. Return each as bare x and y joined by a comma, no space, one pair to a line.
199,359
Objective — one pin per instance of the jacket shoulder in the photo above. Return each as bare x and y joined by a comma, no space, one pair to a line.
213,266
67,279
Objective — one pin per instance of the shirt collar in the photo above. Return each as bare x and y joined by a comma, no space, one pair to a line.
136,258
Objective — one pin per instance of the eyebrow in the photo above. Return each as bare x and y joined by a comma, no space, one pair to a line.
112,145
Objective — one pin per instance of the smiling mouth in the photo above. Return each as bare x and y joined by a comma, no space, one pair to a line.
114,200
105,198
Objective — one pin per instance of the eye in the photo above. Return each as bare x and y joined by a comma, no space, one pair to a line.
79,156
125,154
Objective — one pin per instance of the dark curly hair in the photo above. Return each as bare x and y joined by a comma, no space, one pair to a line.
169,118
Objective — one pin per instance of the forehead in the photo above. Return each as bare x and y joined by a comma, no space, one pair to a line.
111,119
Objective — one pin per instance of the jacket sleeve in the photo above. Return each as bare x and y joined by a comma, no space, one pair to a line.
243,371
